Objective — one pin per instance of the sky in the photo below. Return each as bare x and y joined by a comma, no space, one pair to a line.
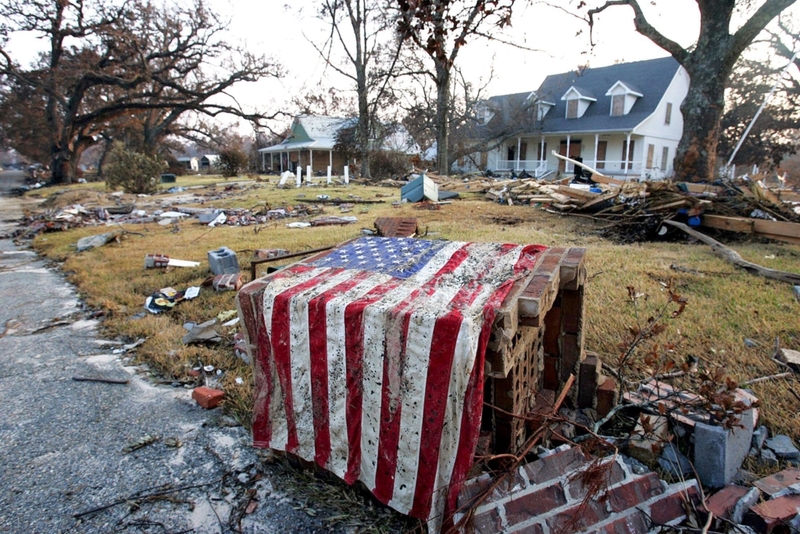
284,31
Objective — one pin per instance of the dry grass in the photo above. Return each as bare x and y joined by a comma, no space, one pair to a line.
725,305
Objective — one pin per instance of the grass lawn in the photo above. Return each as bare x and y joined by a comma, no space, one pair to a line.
725,305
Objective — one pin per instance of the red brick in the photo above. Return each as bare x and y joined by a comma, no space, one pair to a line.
556,465
487,522
571,354
536,287
572,306
612,474
575,255
552,330
721,504
606,396
227,282
764,517
671,506
207,398
530,505
633,493
472,488
578,518
632,523
588,376
550,375
779,481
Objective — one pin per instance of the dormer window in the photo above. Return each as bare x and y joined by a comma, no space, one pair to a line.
623,97
578,101
542,108
617,105
572,108
483,113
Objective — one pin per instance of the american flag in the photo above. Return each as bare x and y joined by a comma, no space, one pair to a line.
369,361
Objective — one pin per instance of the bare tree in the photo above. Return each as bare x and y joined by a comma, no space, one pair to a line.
709,63
440,28
362,30
108,61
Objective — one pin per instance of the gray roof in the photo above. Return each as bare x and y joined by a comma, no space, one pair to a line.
650,77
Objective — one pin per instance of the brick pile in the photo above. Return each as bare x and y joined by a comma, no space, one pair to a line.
550,495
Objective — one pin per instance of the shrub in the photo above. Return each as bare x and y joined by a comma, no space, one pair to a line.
233,161
132,171
385,164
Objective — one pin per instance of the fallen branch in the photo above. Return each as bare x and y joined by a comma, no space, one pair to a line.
766,378
140,495
98,379
734,257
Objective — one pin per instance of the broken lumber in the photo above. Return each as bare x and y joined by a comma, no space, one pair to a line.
734,257
778,230
597,176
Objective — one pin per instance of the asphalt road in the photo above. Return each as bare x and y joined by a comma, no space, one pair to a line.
63,442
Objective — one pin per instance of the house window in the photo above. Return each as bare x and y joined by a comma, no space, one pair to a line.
572,108
602,147
651,152
668,115
664,158
628,153
617,105
541,153
511,153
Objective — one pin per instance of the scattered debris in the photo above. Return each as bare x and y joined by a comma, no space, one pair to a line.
160,261
136,444
397,226
95,241
99,379
166,298
227,282
202,333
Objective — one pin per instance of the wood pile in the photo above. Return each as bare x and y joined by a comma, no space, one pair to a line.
635,210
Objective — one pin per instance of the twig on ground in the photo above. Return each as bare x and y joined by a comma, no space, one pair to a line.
99,379
140,495
767,378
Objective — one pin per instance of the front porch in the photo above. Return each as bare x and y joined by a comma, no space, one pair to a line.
619,155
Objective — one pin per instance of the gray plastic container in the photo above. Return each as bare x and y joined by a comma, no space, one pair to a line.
223,261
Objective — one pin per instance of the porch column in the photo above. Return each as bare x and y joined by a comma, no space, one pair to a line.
519,146
281,156
330,163
566,163
542,160
311,158
627,153
596,141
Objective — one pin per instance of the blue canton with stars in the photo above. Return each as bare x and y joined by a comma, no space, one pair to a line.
395,256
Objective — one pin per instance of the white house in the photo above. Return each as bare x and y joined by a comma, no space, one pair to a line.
209,162
190,164
312,142
623,120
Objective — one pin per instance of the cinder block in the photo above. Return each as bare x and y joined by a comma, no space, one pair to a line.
223,261
207,397
155,261
646,443
718,453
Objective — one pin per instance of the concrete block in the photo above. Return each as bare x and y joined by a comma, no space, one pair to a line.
783,447
759,437
207,397
718,453
790,358
674,462
223,261
648,438
744,504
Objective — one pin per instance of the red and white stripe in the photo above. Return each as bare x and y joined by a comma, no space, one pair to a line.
380,379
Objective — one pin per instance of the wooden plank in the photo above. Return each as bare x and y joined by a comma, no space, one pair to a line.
599,200
779,230
765,194
602,179
576,193
733,224
699,188
789,196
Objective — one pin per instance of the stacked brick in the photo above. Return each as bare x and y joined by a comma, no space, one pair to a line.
551,495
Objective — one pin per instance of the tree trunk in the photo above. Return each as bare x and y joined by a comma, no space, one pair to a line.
702,109
442,117
63,170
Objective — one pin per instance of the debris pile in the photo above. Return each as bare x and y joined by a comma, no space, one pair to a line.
635,210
